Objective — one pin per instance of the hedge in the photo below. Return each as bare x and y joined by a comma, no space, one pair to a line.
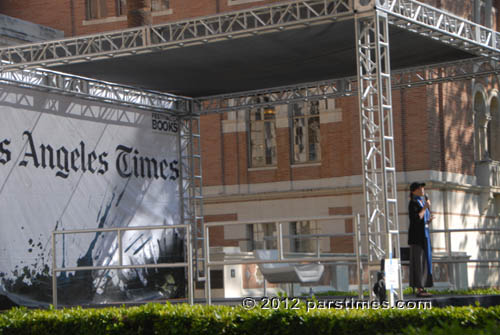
408,291
201,319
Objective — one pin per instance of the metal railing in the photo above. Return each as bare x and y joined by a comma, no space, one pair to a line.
360,259
356,259
466,230
120,266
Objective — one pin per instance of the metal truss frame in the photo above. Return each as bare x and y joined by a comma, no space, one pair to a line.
377,139
191,187
410,15
95,90
440,25
148,39
348,86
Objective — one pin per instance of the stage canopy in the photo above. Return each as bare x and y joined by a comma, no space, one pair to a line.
280,44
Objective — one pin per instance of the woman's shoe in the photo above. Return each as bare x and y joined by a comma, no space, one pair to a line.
424,294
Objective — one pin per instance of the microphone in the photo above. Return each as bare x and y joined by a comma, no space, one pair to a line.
427,199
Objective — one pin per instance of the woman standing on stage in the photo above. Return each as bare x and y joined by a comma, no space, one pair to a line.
419,239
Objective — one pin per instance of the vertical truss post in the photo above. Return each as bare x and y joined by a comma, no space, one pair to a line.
377,139
190,187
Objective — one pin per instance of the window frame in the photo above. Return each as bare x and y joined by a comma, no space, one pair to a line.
483,12
306,116
241,2
121,7
251,140
100,9
493,128
303,245
164,5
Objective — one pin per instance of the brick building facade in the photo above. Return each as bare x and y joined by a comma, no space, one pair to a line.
304,160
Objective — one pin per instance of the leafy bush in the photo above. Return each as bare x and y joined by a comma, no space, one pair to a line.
409,291
201,319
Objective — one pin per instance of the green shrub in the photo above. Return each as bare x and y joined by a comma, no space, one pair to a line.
409,291
201,319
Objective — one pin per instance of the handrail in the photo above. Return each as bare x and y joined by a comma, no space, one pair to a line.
119,230
358,257
279,239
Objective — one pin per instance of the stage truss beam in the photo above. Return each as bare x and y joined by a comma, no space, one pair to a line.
409,15
440,25
336,88
201,30
191,187
377,139
95,90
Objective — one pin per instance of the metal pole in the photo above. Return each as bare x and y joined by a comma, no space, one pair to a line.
54,273
357,245
280,240
190,265
120,248
208,294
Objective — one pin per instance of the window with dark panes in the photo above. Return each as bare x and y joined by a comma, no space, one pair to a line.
159,5
301,239
264,236
121,7
263,137
156,6
96,9
305,132
484,12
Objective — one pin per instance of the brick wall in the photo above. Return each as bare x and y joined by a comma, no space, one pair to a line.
52,13
432,130
216,234
70,15
342,244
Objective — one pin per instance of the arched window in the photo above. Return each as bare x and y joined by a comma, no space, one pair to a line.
493,129
480,125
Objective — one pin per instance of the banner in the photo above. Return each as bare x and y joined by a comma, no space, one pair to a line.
68,163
